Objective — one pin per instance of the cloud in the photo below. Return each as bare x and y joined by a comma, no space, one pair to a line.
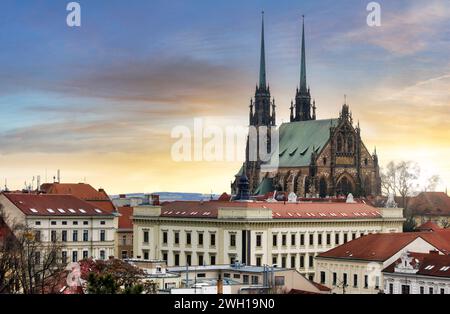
404,31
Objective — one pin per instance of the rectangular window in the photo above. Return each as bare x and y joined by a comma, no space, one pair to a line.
37,223
64,257
302,239
422,290
176,239
213,260
274,240
336,238
37,236
391,288
102,222
311,239
245,279
146,236
311,261
293,261
283,262
334,279
53,235
232,260
366,281
258,240
232,240
283,240
258,261
124,240
279,281
165,237
293,239
53,223
176,258
37,258
200,239
353,236
102,255
212,238
188,259
74,256
430,290
377,282
165,257
85,254
75,223
302,261
255,280
274,260
85,223
344,279
124,254
319,239
405,289
75,236
102,235
64,236
85,235
188,238
201,262
146,255
355,281
322,277
345,238
442,291
328,238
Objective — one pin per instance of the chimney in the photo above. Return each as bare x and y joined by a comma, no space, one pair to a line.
155,200
59,176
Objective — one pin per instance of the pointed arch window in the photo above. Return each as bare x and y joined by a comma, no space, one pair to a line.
340,144
350,144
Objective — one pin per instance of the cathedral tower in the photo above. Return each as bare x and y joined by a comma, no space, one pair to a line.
304,110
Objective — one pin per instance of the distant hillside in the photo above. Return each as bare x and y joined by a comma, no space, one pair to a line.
173,196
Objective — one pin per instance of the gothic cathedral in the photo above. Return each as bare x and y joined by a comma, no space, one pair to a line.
314,158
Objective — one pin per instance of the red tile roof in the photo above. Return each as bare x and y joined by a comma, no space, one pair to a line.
53,205
430,264
280,210
125,221
430,204
428,226
83,191
382,246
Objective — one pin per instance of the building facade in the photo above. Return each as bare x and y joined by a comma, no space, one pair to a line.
82,230
124,235
313,158
253,233
418,273
356,267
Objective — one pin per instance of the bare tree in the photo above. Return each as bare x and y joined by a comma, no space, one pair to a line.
27,265
400,179
432,183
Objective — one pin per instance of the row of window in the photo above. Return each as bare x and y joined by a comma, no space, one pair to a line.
64,223
312,240
406,289
344,281
176,238
293,261
176,258
64,235
74,257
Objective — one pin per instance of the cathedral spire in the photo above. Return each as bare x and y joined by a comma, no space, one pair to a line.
262,67
303,87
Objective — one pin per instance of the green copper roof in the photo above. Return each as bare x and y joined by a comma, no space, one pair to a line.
264,187
299,139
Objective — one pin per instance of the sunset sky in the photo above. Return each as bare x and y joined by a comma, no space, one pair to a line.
99,102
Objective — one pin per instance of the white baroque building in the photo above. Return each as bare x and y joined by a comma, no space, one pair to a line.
82,230
418,273
288,235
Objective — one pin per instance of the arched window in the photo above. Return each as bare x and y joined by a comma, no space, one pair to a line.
344,187
350,144
324,161
340,144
